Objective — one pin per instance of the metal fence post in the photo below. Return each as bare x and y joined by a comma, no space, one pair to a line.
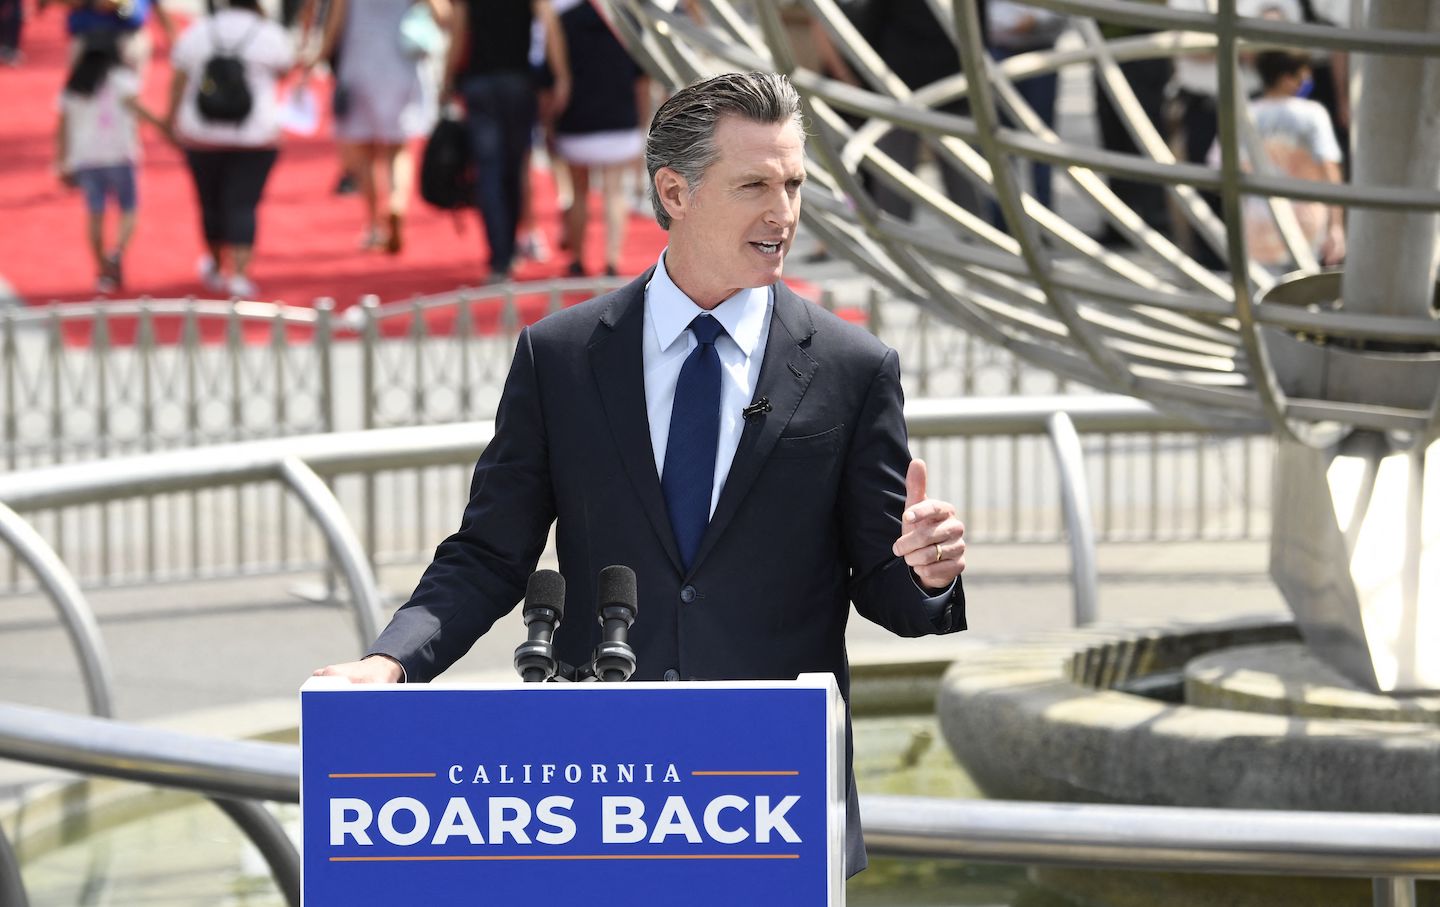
1075,492
324,340
369,366
1394,891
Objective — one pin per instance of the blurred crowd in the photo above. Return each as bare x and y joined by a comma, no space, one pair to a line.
518,73
552,75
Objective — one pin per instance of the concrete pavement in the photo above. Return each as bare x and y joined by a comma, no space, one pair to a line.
200,646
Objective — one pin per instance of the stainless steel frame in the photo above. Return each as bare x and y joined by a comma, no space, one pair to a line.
1153,324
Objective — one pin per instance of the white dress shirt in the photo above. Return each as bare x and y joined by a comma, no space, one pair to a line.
668,342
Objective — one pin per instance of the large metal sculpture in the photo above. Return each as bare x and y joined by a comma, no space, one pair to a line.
1342,366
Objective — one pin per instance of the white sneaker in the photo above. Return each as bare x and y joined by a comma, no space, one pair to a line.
242,287
210,274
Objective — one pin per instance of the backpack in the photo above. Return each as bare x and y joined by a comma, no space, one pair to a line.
447,174
224,93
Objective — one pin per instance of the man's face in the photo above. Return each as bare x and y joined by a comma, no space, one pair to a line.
735,229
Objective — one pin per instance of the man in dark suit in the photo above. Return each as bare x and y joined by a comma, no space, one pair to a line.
742,450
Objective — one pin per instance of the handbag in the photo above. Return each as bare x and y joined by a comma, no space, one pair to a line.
447,168
420,36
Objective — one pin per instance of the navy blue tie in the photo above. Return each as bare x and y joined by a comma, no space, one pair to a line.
689,475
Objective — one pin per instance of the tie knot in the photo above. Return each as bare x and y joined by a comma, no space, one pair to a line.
706,328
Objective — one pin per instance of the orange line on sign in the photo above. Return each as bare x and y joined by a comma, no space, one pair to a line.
582,856
744,773
381,775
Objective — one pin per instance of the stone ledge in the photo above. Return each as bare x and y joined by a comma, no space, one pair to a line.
1025,729
1286,679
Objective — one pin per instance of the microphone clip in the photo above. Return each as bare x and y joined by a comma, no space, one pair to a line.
758,408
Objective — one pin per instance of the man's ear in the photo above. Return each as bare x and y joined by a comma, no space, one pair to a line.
673,191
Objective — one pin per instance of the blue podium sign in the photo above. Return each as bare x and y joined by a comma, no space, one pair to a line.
645,793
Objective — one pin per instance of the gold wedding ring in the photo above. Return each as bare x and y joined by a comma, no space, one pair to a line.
938,556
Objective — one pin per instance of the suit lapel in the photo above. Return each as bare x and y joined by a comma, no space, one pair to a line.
617,361
785,375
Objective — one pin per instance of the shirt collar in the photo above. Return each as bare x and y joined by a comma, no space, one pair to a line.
671,311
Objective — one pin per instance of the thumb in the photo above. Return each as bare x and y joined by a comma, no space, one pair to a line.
915,483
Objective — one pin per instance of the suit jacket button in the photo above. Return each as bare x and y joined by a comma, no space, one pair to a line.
671,675
687,594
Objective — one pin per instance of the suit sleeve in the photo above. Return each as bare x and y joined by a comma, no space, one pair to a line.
479,573
871,503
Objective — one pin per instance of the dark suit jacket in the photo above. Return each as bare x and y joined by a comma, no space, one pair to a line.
804,524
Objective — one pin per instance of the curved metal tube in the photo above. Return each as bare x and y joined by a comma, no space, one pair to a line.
1079,525
102,746
345,545
1013,203
222,769
1184,839
270,839
1229,98
74,611
12,886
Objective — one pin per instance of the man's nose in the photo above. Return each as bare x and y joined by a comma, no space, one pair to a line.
781,210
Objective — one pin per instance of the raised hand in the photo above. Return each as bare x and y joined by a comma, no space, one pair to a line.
932,540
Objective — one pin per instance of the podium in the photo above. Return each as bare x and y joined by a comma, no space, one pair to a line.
699,793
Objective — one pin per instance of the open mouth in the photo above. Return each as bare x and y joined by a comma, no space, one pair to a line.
767,248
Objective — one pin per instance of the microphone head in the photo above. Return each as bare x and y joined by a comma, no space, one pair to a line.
616,589
546,589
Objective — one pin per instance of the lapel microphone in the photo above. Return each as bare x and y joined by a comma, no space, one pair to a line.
758,408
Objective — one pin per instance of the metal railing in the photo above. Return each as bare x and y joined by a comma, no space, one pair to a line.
82,382
1392,849
308,466
234,774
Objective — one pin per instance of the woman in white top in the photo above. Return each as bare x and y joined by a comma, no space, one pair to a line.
225,116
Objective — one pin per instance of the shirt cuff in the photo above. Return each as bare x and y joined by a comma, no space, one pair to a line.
938,606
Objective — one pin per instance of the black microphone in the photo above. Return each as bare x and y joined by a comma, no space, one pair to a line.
544,607
758,408
614,660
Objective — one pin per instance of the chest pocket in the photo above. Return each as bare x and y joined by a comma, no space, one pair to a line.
823,444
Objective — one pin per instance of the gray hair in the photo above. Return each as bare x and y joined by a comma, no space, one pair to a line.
682,134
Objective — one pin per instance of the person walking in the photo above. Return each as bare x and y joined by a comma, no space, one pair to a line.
385,101
1299,141
489,66
12,23
229,156
97,147
129,20
598,135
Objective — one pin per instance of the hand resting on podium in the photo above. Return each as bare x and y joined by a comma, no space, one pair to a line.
374,669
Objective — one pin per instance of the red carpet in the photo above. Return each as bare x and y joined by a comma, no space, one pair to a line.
306,247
